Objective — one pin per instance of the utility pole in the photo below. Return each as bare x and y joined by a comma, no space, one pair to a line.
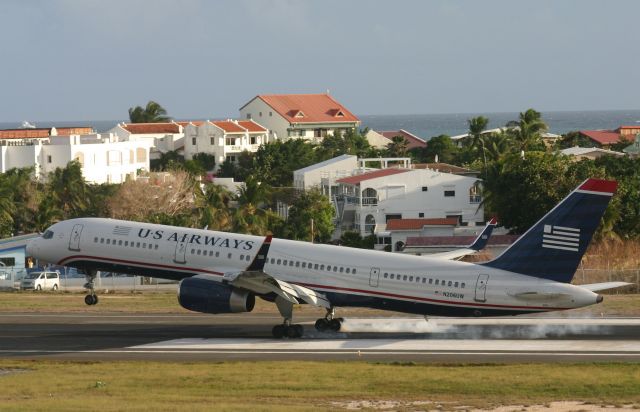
312,230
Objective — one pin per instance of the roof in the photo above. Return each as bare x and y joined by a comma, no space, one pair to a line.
418,224
193,122
578,151
308,108
229,126
354,180
327,162
252,126
413,140
445,168
66,131
151,128
24,133
457,241
602,137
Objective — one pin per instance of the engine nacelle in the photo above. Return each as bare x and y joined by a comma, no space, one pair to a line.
209,296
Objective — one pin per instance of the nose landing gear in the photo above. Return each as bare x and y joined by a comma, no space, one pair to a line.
91,298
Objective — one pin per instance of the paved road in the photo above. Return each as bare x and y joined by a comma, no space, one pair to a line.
248,337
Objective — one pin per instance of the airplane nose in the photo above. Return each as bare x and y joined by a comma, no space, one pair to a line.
599,299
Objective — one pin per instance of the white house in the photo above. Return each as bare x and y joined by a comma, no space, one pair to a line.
304,116
580,153
225,139
366,202
164,137
104,157
324,174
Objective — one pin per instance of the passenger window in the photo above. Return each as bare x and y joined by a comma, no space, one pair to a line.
95,240
437,282
455,285
217,254
404,278
211,253
462,285
199,252
341,269
450,283
410,278
119,242
304,264
315,266
291,263
241,257
156,248
321,267
137,244
431,281
424,280
273,261
348,270
353,271
284,262
248,258
108,241
126,243
279,261
297,264
193,251
230,255
101,240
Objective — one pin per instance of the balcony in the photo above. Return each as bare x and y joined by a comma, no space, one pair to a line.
475,199
355,200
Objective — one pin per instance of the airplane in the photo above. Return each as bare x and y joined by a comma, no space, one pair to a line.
223,272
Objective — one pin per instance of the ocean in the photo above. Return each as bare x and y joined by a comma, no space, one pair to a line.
429,125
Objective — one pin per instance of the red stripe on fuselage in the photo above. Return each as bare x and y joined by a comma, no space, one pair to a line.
314,286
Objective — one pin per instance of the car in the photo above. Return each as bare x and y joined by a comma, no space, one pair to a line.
41,281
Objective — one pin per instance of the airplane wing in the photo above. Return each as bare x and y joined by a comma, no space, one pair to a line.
594,287
478,244
256,280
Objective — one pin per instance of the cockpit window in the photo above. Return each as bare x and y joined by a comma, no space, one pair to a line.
48,234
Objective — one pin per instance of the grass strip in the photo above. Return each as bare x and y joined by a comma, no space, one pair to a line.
159,386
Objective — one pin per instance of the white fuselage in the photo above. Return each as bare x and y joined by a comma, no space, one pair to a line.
347,276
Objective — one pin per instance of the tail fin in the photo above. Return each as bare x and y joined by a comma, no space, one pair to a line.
553,247
483,238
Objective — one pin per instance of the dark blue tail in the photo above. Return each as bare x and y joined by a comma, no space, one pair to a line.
553,247
483,238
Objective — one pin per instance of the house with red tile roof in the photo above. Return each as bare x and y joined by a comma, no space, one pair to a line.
380,139
606,138
403,199
302,116
225,139
164,137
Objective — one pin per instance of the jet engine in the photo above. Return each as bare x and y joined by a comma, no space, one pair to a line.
209,296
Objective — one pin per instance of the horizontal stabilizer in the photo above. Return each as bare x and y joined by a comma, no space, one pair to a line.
594,287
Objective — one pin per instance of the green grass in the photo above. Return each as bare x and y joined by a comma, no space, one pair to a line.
111,386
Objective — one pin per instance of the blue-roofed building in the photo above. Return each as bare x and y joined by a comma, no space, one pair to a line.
14,261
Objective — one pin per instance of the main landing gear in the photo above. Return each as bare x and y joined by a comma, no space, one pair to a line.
287,329
329,322
91,298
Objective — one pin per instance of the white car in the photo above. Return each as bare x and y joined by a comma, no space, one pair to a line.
41,281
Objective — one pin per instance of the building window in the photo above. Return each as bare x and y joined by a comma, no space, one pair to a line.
369,224
230,141
425,189
270,114
421,214
252,140
259,114
141,155
193,141
212,140
449,193
248,115
231,158
369,197
49,159
475,193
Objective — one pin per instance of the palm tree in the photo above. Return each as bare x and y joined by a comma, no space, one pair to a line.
214,206
529,131
153,113
397,147
477,125
69,190
250,216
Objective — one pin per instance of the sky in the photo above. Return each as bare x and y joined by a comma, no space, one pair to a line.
93,59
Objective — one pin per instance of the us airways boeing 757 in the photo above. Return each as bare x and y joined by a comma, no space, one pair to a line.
224,272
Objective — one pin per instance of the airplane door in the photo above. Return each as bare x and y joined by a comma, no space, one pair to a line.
181,251
481,288
374,277
74,239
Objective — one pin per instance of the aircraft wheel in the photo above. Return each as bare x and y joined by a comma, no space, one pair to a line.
95,299
91,299
335,324
278,331
299,330
322,325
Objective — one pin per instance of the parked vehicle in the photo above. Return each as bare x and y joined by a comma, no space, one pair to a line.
41,281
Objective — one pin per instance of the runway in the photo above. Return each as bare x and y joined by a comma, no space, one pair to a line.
248,337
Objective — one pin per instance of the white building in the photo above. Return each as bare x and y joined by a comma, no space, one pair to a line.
225,139
104,158
366,202
164,137
304,116
591,153
324,174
